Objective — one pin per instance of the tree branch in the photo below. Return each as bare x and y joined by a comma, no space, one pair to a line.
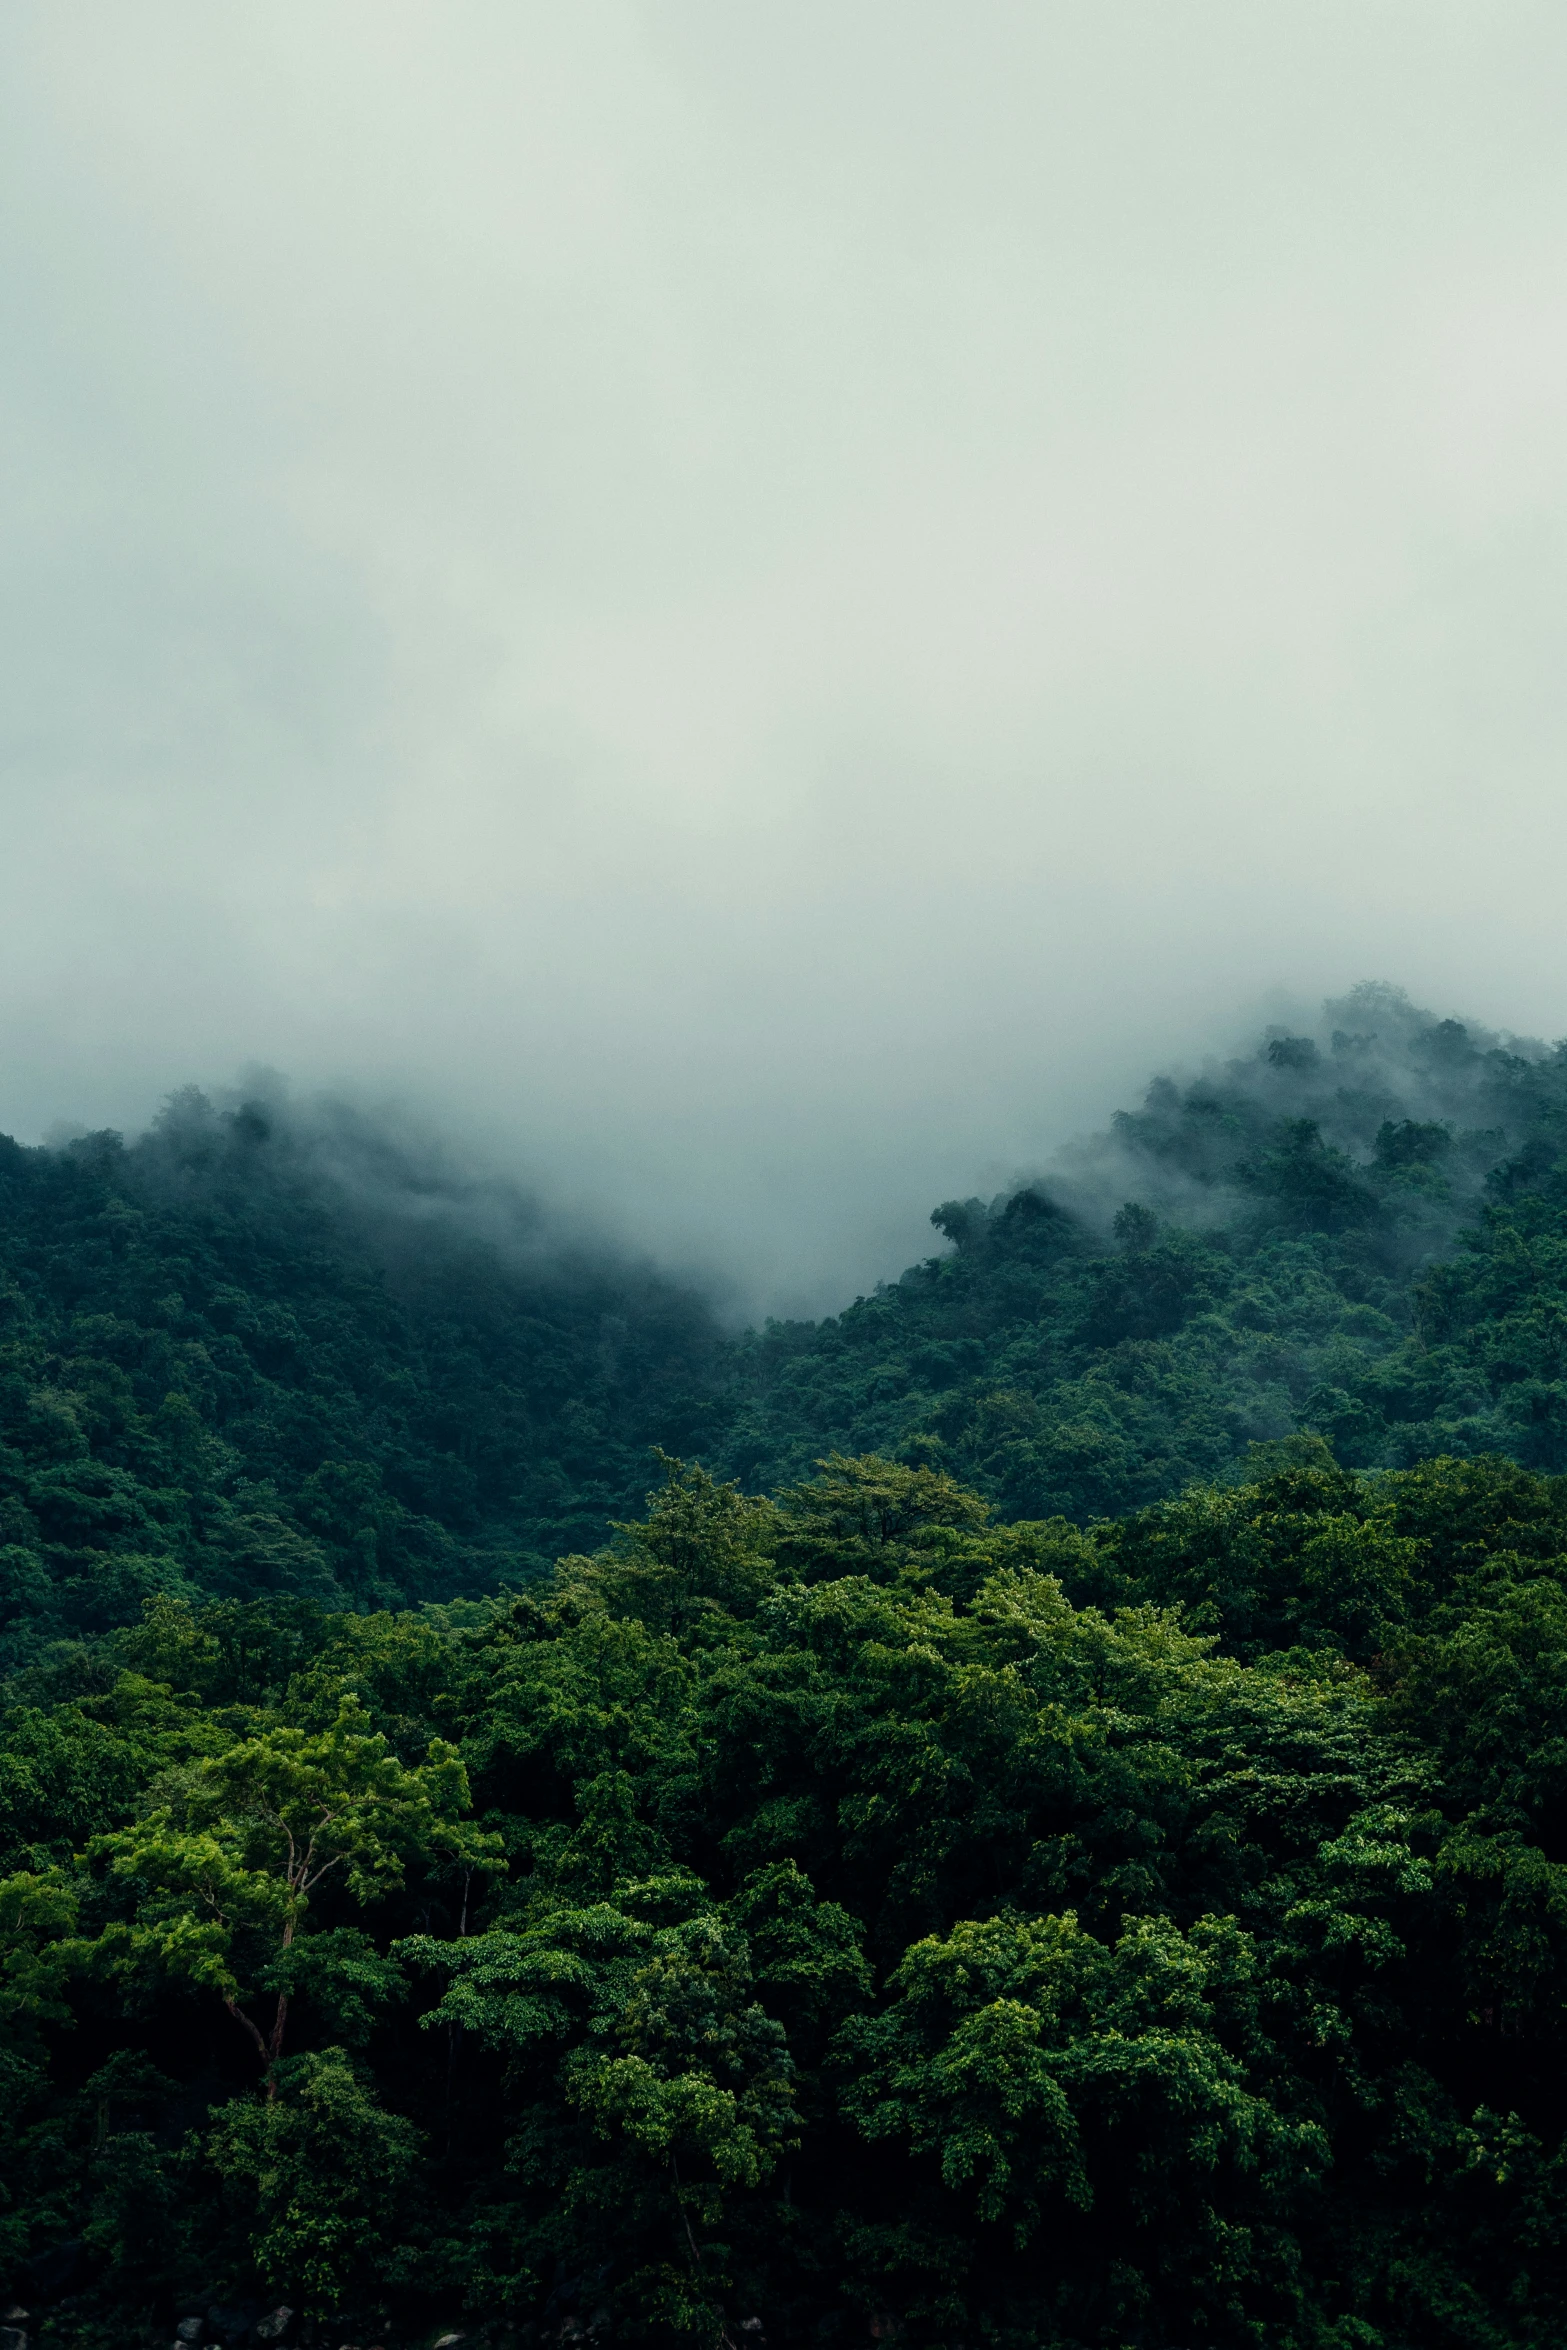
240,2017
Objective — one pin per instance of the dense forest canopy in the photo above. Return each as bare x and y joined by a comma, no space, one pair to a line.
837,1918
1045,1826
254,1353
268,1350
1357,1235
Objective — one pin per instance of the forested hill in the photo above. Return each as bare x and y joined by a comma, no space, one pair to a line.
256,1354
1360,1233
264,1352
1070,1906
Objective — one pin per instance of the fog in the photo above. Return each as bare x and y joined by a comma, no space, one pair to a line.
758,612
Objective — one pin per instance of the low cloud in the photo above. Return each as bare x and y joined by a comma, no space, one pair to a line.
757,615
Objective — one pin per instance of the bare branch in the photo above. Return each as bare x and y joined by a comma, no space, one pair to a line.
240,2017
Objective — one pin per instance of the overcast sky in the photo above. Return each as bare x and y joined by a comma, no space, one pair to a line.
766,606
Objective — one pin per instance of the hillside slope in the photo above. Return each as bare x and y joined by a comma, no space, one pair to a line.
260,1352
1118,1895
246,1356
1362,1235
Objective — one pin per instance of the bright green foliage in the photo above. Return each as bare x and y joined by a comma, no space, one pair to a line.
1084,1864
38,1919
703,2068
1051,2074
702,1546
652,2034
851,1932
224,1870
320,2175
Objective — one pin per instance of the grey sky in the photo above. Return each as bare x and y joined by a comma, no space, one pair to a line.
767,606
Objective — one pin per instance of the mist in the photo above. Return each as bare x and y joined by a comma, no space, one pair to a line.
754,615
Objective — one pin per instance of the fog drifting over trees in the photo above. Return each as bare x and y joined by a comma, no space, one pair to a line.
760,612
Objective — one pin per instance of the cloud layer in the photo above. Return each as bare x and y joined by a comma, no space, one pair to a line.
764,608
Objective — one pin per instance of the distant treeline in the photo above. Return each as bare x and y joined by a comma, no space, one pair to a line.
256,1353
1363,1238
1084,1863
234,1362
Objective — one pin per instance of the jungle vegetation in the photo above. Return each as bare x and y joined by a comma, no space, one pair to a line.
1044,1826
1359,1237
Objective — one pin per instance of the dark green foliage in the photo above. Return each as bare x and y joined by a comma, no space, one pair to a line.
317,2179
235,1362
1274,1268
874,1944
1082,1863
262,1353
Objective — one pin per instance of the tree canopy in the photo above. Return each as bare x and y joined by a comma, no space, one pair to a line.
1045,1825
841,1918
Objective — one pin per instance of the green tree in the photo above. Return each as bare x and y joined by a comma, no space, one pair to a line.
223,1870
703,1546
319,2172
